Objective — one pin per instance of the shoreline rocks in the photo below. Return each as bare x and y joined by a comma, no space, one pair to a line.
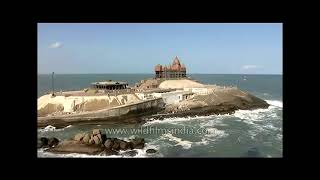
44,142
151,151
92,143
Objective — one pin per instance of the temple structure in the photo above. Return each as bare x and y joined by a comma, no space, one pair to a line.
175,70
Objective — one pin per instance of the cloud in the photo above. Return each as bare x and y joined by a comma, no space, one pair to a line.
250,67
55,45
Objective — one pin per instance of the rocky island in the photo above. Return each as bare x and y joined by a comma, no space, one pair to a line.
169,94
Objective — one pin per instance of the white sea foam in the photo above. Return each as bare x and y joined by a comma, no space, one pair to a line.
271,127
275,103
279,136
212,122
43,154
183,143
141,153
214,132
253,115
52,128
179,120
171,120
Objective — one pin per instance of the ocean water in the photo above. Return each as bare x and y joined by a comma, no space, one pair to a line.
246,133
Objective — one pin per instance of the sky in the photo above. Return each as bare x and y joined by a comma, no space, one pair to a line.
205,48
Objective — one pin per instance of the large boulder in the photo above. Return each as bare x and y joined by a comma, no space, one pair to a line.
52,142
130,153
139,146
138,143
42,142
151,151
124,145
108,144
99,136
96,140
79,136
72,146
109,152
86,138
91,141
103,138
96,131
116,144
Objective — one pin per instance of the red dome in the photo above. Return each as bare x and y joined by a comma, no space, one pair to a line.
176,61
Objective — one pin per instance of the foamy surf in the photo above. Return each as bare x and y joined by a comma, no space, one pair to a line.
141,153
179,141
181,120
275,103
172,120
52,128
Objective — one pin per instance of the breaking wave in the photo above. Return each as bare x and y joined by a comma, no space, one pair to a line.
179,120
275,103
52,128
185,144
141,153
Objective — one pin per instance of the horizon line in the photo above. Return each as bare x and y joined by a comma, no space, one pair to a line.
153,73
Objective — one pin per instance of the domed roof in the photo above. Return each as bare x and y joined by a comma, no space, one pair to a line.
176,61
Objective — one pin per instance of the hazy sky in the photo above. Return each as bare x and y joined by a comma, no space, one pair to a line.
213,48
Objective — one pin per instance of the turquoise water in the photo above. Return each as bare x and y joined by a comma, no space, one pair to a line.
256,133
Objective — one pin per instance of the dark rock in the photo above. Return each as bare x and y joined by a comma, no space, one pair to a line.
103,138
130,145
116,144
53,142
138,143
42,142
151,151
109,152
75,147
108,144
139,146
130,153
124,145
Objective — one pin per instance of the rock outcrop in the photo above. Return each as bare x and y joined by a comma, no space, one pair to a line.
44,142
151,151
73,103
93,142
220,101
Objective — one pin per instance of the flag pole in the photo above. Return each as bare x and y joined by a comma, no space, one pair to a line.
52,84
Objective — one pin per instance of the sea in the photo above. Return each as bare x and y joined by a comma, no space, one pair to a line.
246,133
